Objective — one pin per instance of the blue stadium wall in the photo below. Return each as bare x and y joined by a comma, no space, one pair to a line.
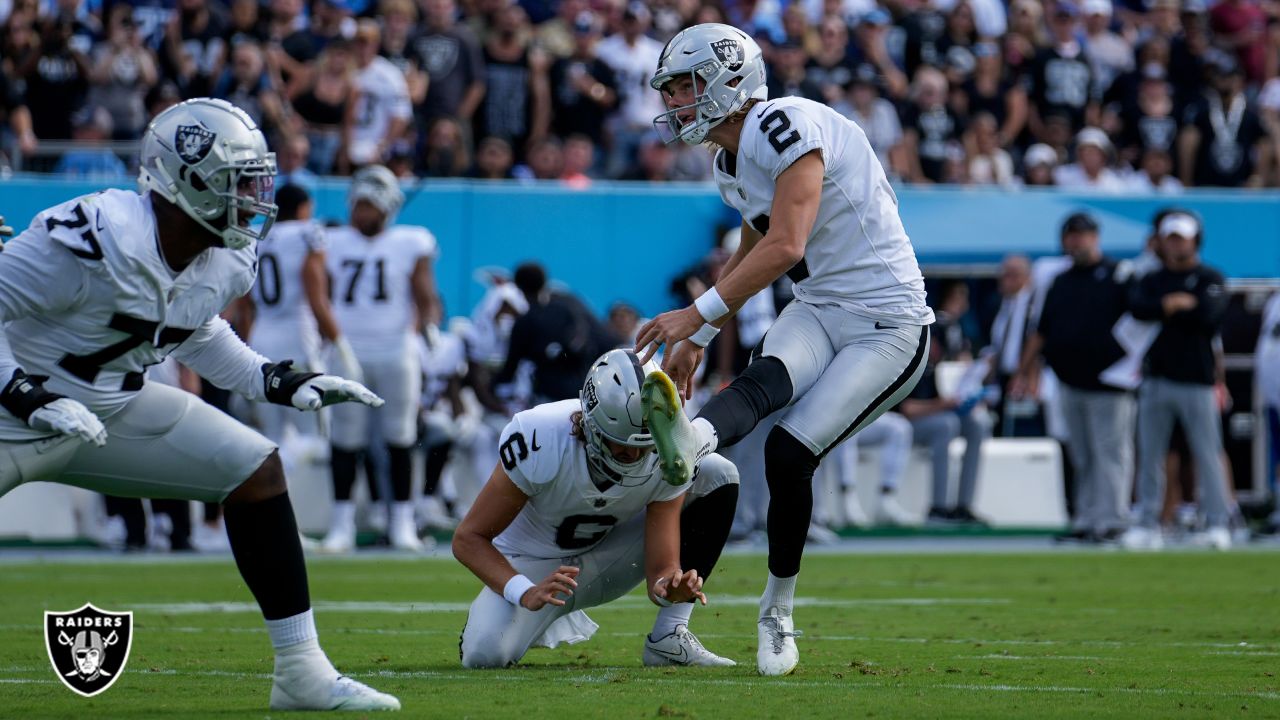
616,242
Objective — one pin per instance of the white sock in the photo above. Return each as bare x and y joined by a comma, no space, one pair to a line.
290,631
669,618
344,515
706,433
779,593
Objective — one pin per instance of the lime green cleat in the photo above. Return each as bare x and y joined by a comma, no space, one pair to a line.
673,435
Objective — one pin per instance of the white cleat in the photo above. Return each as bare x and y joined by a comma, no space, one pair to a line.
854,515
1142,538
340,540
891,513
404,531
777,653
673,435
432,515
1214,538
338,693
681,648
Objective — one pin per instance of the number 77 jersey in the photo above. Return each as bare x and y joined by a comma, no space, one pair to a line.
371,287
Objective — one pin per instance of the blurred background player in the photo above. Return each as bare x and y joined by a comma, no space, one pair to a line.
383,288
443,356
577,501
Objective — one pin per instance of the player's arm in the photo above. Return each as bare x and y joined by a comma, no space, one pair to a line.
424,292
495,507
795,209
749,239
315,284
667,583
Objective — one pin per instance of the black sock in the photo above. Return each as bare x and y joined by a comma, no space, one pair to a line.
343,465
179,512
264,540
401,462
788,469
704,529
765,386
437,456
371,477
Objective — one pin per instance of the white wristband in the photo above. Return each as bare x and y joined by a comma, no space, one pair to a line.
710,305
704,336
515,589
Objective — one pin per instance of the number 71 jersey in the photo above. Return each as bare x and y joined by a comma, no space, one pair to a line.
566,513
370,282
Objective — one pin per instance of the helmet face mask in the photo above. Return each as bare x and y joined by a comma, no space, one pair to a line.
612,413
209,158
726,69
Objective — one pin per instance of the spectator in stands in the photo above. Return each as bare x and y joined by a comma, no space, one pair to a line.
57,81
1146,117
1222,136
1038,165
624,321
877,118
246,22
989,164
15,120
583,87
122,72
444,154
1026,36
633,56
449,54
923,29
545,161
246,84
320,102
494,160
991,89
579,156
1108,53
891,433
948,333
1189,301
558,335
517,106
829,66
1155,173
290,45
1060,80
930,128
380,112
1091,170
1189,54
1074,332
91,127
1242,26
195,47
786,75
291,162
399,26
558,36
655,163
1008,336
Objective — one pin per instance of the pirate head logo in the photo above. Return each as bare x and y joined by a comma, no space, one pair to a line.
589,398
88,647
193,143
730,52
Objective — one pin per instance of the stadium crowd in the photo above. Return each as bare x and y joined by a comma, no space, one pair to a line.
1133,94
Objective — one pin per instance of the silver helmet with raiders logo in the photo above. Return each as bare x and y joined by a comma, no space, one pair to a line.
611,411
209,158
726,68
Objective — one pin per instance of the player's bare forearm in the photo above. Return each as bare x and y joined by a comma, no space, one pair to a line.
495,507
315,283
424,293
662,540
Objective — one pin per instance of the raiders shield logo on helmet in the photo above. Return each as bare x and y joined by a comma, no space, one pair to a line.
193,143
730,52
88,647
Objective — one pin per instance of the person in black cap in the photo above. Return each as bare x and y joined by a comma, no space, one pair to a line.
1073,335
1189,301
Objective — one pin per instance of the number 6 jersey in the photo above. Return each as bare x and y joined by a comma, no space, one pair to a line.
371,286
566,513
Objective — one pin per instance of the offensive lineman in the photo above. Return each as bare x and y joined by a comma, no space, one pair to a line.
383,287
815,205
290,301
102,286
577,499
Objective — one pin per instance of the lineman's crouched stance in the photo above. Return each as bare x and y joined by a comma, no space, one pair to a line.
576,514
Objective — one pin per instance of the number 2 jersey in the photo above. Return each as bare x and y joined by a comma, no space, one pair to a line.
566,513
88,301
858,255
284,326
371,284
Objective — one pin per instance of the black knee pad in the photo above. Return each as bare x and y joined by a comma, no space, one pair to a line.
765,386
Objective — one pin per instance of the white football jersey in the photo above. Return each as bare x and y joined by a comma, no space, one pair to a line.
371,285
284,326
858,255
566,513
441,360
92,303
383,96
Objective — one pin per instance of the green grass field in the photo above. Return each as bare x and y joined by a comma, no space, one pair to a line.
1042,635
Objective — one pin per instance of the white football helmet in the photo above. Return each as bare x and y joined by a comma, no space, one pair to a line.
379,186
611,410
730,66
209,158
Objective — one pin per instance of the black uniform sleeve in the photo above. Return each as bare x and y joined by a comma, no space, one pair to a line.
1145,299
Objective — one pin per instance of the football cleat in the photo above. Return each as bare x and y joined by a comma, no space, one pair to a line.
404,531
681,647
777,653
309,683
854,515
673,435
342,529
1214,538
892,513
1142,538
